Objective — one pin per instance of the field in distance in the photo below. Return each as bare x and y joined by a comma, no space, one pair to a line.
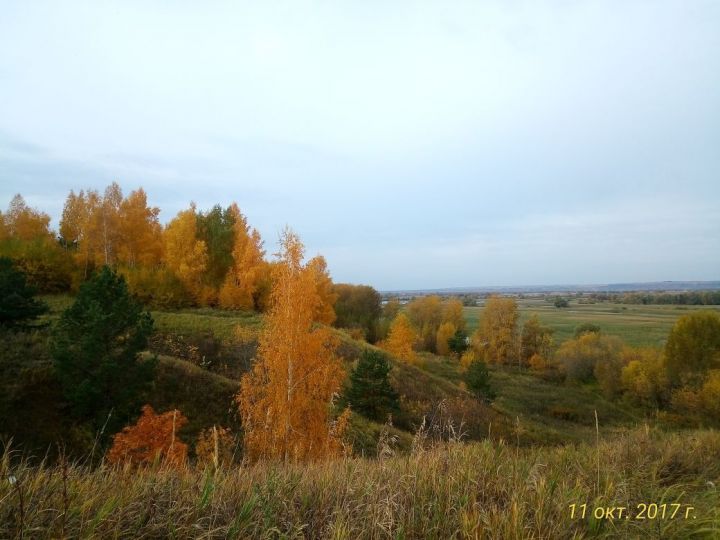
636,325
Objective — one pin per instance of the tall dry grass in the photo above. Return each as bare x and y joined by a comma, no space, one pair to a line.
449,490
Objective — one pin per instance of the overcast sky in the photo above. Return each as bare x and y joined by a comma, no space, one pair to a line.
414,144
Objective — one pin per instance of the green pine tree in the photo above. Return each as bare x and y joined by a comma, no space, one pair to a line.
369,391
477,379
458,343
18,305
96,347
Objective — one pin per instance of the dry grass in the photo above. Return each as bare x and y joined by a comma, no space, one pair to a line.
480,490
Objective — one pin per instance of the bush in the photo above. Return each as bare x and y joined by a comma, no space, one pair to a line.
586,328
590,355
693,347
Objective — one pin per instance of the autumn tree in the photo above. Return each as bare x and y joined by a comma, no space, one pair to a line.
139,231
152,439
216,228
592,356
693,347
643,378
426,314
495,341
285,400
387,316
80,228
186,255
73,220
326,296
24,223
401,340
391,309
29,242
535,339
358,306
242,281
445,333
4,228
107,223
96,347
369,391
453,313
91,225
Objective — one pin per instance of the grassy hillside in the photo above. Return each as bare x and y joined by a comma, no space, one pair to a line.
202,360
481,490
544,412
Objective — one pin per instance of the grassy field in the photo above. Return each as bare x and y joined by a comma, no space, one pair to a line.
479,490
221,323
637,325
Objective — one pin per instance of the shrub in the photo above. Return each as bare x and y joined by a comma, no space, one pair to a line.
693,347
585,328
578,358
153,438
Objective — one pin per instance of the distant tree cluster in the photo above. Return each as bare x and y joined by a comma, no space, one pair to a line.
688,298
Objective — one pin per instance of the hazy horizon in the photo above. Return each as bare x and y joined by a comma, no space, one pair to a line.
415,146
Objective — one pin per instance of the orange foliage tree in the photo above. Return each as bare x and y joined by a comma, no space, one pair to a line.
401,339
285,400
140,233
496,340
444,333
185,255
241,285
326,295
25,223
453,313
153,438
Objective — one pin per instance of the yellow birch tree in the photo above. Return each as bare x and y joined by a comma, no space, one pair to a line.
401,340
241,285
285,400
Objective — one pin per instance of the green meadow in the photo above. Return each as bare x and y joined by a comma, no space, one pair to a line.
636,325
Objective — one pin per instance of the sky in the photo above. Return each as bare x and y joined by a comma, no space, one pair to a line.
413,144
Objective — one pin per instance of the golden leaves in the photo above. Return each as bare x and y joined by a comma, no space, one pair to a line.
285,400
153,438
